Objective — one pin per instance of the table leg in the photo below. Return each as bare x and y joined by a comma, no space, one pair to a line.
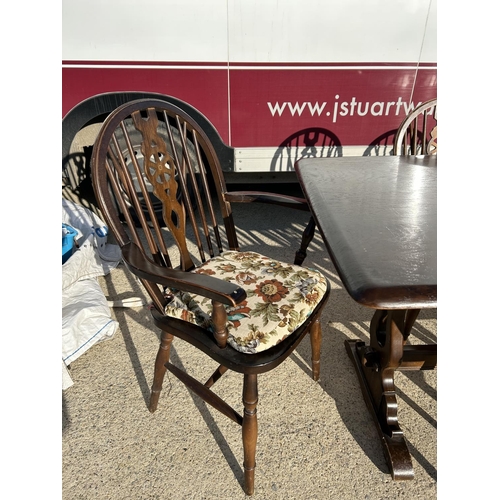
375,366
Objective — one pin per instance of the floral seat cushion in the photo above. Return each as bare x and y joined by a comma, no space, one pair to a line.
279,299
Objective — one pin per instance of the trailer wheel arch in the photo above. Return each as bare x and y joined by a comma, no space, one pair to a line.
76,183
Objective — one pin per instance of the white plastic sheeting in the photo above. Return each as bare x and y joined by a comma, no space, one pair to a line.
86,317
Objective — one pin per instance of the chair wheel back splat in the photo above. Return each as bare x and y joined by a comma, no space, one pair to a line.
417,134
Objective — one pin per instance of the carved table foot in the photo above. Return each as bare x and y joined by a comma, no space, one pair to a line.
375,366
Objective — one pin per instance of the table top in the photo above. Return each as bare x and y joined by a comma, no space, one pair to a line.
378,219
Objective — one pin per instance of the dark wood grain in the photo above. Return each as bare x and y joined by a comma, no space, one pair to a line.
378,219
377,216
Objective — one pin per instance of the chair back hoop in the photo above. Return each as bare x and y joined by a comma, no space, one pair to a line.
159,184
417,134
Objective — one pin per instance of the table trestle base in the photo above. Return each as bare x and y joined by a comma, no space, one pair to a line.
375,366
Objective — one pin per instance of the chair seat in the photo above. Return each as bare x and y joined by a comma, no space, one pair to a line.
280,297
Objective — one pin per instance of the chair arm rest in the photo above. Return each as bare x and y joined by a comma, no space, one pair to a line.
271,198
201,284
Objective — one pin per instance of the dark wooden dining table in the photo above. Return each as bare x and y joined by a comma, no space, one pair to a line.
378,219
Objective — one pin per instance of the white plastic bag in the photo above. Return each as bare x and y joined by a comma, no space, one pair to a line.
86,317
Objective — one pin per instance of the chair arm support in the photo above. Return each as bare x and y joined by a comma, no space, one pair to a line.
201,284
270,198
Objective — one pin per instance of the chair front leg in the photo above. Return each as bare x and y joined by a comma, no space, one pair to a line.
250,399
307,237
162,359
316,337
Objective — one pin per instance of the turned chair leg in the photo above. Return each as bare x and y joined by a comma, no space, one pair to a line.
316,337
162,359
250,398
307,237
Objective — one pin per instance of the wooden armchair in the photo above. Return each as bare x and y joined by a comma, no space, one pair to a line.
417,134
242,309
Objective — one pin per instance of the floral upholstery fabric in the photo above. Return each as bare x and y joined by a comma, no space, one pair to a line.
279,299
